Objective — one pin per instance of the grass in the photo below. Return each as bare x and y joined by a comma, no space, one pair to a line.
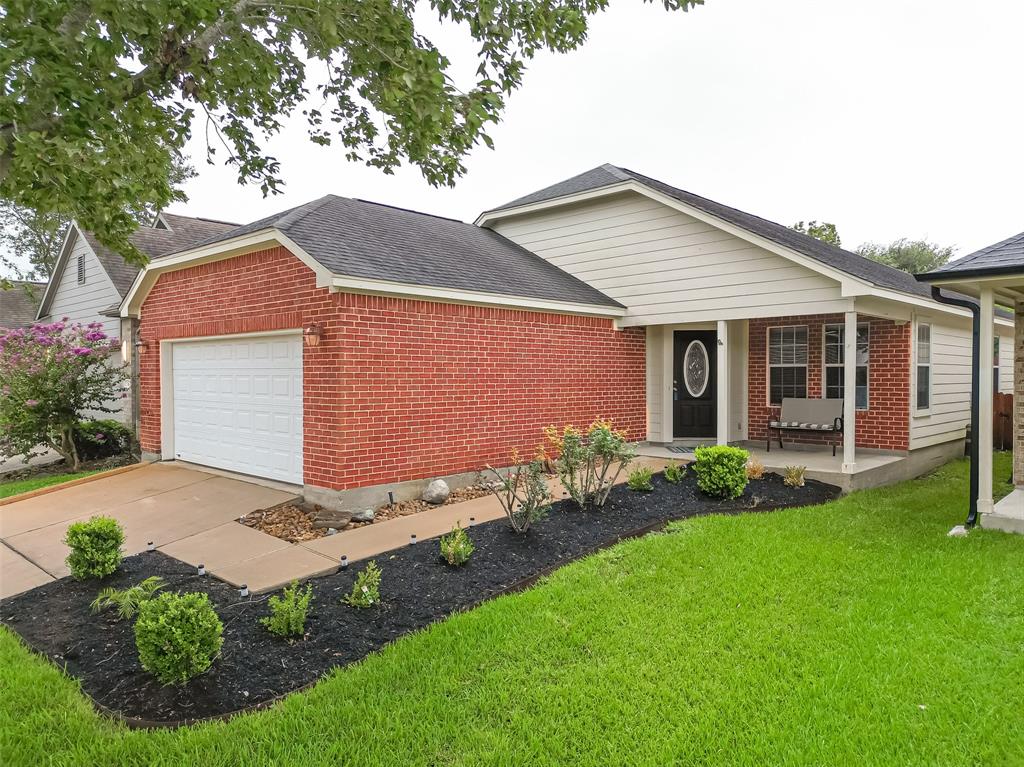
18,486
852,633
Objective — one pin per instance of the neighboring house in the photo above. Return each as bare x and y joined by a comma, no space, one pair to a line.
345,344
18,304
89,280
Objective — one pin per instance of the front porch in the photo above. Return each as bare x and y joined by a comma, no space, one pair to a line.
873,468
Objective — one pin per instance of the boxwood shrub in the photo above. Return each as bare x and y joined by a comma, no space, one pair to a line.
178,636
95,547
721,470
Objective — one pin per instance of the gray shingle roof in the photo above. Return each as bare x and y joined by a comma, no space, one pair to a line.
18,304
357,238
864,268
1004,256
155,242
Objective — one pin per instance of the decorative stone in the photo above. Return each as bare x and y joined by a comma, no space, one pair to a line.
437,492
366,515
957,532
328,518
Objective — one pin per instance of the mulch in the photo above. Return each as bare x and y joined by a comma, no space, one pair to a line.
255,668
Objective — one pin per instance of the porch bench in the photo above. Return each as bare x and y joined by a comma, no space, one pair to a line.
805,414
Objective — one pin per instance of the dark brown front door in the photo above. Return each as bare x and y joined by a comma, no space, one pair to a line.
693,391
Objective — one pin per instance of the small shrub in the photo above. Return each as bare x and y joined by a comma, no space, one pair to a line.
589,462
456,547
366,589
794,476
101,439
640,479
674,473
129,600
288,612
522,492
95,547
721,470
755,469
178,636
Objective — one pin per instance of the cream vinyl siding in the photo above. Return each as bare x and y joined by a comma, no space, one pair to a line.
83,302
668,267
655,379
951,381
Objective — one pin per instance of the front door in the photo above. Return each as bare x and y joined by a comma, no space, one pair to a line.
693,391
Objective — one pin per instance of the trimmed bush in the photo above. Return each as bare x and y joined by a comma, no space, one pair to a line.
178,636
288,612
674,473
95,547
366,589
640,479
101,439
456,547
721,470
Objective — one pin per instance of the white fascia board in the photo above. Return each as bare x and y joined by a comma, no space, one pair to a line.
931,305
851,286
58,268
219,251
455,295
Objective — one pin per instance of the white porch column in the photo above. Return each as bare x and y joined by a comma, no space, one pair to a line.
849,392
722,386
985,388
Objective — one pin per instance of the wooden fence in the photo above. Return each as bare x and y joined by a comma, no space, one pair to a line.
1002,422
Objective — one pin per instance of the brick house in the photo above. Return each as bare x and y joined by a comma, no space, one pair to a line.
347,345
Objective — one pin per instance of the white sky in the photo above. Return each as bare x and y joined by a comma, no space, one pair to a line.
889,118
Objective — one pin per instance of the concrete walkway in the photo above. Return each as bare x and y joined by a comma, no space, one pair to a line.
192,515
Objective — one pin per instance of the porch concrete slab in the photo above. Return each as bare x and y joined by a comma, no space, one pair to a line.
94,497
276,568
17,574
223,545
207,501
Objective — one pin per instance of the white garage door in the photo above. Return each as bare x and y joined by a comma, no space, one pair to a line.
238,405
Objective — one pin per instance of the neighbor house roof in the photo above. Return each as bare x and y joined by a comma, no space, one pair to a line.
843,260
360,239
18,304
1005,257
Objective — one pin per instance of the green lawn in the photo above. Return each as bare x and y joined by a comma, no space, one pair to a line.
854,633
19,486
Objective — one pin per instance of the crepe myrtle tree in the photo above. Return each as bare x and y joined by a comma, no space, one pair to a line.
99,96
49,375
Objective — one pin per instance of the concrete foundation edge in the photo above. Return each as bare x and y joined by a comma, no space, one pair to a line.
372,497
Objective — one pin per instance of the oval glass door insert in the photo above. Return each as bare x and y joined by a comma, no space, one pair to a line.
695,368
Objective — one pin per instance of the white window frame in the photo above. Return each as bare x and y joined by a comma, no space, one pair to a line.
922,411
826,365
768,361
80,268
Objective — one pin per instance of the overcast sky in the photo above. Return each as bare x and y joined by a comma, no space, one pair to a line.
889,118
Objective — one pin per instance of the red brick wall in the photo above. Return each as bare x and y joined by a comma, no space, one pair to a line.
403,389
884,425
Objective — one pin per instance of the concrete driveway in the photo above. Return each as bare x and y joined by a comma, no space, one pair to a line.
163,503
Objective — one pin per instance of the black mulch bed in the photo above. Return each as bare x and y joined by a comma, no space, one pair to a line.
417,589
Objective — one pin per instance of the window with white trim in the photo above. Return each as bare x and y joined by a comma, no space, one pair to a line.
835,346
923,362
787,363
81,269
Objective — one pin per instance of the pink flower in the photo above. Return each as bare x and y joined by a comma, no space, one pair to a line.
81,351
31,402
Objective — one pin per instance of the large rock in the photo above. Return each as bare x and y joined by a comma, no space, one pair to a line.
366,515
437,492
327,518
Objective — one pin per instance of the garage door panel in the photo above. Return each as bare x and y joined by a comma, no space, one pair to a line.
238,405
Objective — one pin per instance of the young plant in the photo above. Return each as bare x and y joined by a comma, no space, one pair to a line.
794,476
674,473
640,479
129,600
721,470
102,439
95,547
288,612
178,636
366,589
589,463
522,492
755,469
456,547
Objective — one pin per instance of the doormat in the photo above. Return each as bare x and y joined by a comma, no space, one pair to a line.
683,448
